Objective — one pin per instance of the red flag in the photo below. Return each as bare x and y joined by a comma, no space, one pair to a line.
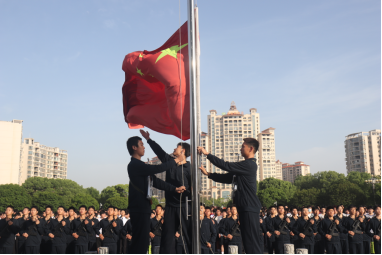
156,88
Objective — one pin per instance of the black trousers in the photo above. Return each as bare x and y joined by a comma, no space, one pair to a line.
70,248
319,247
366,247
20,246
205,251
344,246
46,245
80,249
123,244
333,248
141,228
377,246
250,228
92,245
59,249
170,227
279,247
180,250
310,247
261,237
271,245
32,249
6,250
355,248
113,247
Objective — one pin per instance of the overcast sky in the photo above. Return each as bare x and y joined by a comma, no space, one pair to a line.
311,68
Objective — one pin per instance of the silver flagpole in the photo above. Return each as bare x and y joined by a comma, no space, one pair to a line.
193,129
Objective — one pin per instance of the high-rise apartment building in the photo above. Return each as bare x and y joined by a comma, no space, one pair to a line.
267,165
224,140
42,161
290,172
10,145
363,152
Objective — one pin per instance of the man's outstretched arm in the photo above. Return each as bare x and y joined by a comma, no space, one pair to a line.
138,167
222,178
162,155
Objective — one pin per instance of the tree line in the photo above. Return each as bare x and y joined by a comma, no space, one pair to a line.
322,188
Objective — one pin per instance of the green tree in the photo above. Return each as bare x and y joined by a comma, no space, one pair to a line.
155,202
119,202
41,199
306,197
107,193
344,192
14,195
122,189
272,190
84,199
93,192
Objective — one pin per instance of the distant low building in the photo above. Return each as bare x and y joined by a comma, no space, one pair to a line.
290,172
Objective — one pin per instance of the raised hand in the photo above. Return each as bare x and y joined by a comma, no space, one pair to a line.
145,134
201,151
204,171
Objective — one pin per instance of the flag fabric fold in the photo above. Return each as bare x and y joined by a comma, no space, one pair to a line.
156,89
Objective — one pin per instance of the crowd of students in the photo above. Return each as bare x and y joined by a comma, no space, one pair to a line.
355,230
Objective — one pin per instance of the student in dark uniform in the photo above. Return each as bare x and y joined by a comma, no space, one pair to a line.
58,229
305,228
263,230
139,199
177,176
8,229
366,237
127,231
21,239
119,226
343,235
330,229
280,226
94,229
156,229
294,239
110,231
46,242
69,237
271,237
207,214
231,229
319,245
207,233
32,230
373,229
80,228
355,227
243,174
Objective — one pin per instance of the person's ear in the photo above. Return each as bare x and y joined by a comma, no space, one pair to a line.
135,147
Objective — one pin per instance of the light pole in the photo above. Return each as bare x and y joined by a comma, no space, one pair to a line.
373,180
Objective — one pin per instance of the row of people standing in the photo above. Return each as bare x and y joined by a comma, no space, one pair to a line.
32,234
334,234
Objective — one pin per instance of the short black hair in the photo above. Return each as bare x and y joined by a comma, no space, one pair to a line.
127,211
34,207
49,206
110,206
315,208
9,206
278,206
92,207
207,208
186,147
26,208
352,206
72,208
132,141
82,206
60,206
329,207
201,204
158,205
375,207
252,142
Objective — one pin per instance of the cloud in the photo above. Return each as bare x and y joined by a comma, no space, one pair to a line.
109,24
